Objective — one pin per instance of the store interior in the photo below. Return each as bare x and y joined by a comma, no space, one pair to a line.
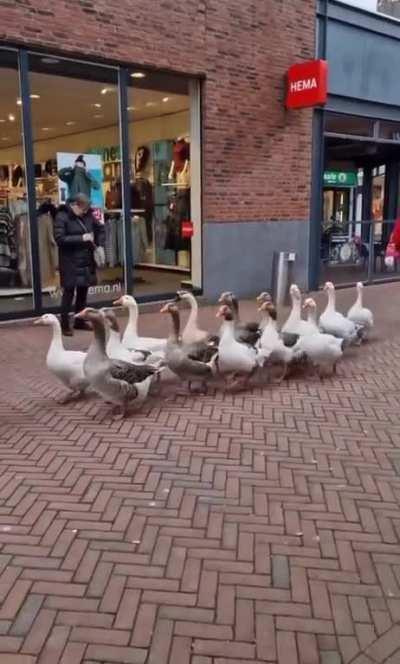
360,198
75,128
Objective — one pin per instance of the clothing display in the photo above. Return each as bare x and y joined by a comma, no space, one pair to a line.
78,181
48,254
23,249
142,199
7,239
179,211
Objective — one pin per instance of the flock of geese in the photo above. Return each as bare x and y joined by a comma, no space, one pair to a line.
124,369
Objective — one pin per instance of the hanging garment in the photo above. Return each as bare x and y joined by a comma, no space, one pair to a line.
142,199
139,239
7,238
23,249
179,211
48,252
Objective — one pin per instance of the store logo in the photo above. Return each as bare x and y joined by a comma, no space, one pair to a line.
307,84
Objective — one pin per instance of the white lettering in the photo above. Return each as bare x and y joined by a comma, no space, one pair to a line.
307,84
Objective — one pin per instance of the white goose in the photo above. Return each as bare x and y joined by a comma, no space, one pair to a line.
322,350
192,334
295,326
66,365
333,322
235,358
361,315
114,348
131,338
271,342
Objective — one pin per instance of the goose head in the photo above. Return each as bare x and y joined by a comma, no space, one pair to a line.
225,312
226,298
295,293
110,319
269,309
183,295
310,306
329,287
90,314
169,308
47,319
126,301
264,297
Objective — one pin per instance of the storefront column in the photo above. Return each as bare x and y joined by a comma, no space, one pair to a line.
123,78
195,191
366,202
317,199
30,178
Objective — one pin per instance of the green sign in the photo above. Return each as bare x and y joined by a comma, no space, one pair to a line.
340,179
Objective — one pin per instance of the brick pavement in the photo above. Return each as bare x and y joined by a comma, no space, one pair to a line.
226,529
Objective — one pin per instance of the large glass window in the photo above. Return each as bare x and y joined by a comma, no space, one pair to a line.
15,248
160,156
76,144
388,7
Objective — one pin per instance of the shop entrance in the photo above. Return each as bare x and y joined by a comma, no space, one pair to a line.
360,198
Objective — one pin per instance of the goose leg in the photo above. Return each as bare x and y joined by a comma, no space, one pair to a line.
71,396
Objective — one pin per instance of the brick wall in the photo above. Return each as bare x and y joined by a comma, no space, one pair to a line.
256,154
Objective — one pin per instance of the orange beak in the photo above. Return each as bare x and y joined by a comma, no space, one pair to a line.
81,314
164,309
38,321
118,303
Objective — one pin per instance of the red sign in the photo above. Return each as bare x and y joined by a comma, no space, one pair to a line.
307,84
187,229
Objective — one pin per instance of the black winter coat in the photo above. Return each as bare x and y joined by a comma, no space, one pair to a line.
77,265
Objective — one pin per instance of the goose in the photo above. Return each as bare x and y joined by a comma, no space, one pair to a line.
236,358
248,333
261,299
322,350
66,365
192,334
114,348
270,342
333,322
131,338
361,315
295,326
117,382
179,357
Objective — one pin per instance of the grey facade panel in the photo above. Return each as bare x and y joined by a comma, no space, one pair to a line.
238,256
362,64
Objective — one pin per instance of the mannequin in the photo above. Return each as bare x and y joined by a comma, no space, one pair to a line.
180,171
142,189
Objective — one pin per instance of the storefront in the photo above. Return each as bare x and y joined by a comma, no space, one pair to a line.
357,137
126,137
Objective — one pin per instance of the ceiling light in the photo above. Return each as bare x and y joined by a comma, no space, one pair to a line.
50,61
105,91
165,99
150,103
34,96
11,117
98,115
19,102
131,108
97,105
138,74
2,120
5,138
70,123
47,129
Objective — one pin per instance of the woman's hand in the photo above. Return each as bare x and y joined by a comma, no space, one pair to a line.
88,237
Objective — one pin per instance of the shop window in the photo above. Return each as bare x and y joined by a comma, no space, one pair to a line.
348,124
15,247
389,130
387,7
161,157
76,147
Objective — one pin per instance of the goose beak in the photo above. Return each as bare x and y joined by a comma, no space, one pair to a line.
118,303
38,321
81,314
164,309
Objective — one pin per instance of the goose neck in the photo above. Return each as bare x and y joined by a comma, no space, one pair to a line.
175,327
133,318
193,315
56,344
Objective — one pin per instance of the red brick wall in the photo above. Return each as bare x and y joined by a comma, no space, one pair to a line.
256,154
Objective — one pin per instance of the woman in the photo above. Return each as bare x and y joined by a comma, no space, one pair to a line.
77,233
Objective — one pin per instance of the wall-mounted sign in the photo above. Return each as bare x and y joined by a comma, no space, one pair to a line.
340,179
307,84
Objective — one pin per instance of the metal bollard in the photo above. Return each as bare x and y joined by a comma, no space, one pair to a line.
282,276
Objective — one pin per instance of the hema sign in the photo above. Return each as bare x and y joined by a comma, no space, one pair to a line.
307,84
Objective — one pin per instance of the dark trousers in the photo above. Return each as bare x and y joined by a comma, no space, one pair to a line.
68,298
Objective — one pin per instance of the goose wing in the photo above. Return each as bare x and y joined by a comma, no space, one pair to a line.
130,373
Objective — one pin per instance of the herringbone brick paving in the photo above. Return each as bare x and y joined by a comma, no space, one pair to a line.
225,529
